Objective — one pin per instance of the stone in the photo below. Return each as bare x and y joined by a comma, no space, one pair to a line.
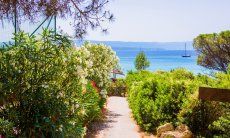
164,128
167,135
187,134
182,128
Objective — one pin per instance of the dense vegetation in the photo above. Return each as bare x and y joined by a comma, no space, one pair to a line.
160,97
213,50
45,85
117,88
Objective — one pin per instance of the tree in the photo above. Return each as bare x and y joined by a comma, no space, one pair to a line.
213,50
141,62
85,13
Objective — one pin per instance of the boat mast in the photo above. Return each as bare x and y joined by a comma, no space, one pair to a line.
185,50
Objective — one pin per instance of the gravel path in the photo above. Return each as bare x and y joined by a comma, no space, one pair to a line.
119,123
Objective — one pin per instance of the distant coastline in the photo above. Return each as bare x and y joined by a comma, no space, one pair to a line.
146,45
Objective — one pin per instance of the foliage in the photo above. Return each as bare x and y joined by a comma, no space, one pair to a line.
44,85
223,79
159,97
85,13
222,125
141,61
103,60
117,88
199,115
213,50
205,118
6,127
155,101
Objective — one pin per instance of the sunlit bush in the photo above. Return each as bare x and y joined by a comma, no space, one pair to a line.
103,60
208,118
159,97
156,98
44,86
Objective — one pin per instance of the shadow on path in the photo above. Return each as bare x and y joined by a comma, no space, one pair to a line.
97,126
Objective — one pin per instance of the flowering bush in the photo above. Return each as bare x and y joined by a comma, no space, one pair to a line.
103,61
44,86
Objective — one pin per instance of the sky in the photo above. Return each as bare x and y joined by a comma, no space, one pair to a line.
155,21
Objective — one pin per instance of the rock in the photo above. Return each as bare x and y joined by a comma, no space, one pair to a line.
166,127
182,128
167,131
167,135
187,134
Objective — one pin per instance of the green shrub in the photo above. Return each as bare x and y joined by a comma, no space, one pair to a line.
6,128
43,83
155,101
117,88
199,115
182,73
133,77
160,97
214,119
221,127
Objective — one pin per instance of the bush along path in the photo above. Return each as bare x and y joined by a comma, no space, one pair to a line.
118,123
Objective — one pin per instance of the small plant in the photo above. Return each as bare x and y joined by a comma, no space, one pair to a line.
141,61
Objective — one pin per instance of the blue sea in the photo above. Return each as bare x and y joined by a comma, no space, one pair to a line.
162,56
160,60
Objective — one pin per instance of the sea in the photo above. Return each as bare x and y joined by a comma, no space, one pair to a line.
162,56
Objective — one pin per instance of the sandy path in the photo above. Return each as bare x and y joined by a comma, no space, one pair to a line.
118,123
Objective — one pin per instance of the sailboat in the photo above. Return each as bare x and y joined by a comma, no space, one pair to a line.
185,52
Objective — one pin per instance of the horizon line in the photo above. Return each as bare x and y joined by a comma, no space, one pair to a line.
136,41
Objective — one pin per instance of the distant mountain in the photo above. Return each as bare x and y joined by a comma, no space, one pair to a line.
144,45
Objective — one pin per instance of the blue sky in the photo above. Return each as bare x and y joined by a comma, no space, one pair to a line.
156,20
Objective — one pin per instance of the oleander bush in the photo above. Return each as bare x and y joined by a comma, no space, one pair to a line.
160,97
103,60
45,87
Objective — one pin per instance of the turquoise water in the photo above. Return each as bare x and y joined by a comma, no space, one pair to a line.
160,60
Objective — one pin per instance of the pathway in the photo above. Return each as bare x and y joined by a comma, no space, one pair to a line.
119,123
